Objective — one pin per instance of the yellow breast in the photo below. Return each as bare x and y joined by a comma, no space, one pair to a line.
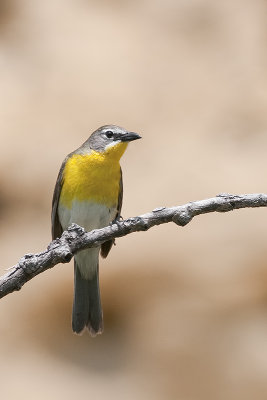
93,177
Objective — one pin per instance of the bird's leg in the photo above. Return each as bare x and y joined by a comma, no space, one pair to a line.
116,220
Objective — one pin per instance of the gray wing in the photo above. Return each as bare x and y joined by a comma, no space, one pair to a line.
56,225
120,199
106,246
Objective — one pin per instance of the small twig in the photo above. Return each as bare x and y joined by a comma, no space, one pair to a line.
76,238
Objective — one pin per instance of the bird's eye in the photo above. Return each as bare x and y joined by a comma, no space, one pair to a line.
109,134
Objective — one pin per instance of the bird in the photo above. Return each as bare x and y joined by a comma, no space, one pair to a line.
89,192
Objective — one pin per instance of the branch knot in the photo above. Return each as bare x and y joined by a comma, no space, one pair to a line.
182,217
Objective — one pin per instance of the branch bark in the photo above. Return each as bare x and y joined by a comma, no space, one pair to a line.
76,238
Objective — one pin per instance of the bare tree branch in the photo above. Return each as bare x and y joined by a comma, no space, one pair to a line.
76,238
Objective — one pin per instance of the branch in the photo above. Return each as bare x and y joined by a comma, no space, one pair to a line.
76,238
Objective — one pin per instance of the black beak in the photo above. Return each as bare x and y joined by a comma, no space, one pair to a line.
130,136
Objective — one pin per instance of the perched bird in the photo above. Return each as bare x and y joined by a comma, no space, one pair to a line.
89,192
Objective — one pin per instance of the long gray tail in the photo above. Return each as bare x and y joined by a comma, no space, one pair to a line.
87,310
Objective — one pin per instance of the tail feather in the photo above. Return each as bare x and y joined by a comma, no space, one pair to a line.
87,310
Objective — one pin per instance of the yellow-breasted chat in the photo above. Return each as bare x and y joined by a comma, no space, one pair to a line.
89,192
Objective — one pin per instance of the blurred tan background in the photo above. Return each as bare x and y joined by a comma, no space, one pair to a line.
185,309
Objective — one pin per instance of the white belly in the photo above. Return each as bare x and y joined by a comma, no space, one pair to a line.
90,216
86,214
